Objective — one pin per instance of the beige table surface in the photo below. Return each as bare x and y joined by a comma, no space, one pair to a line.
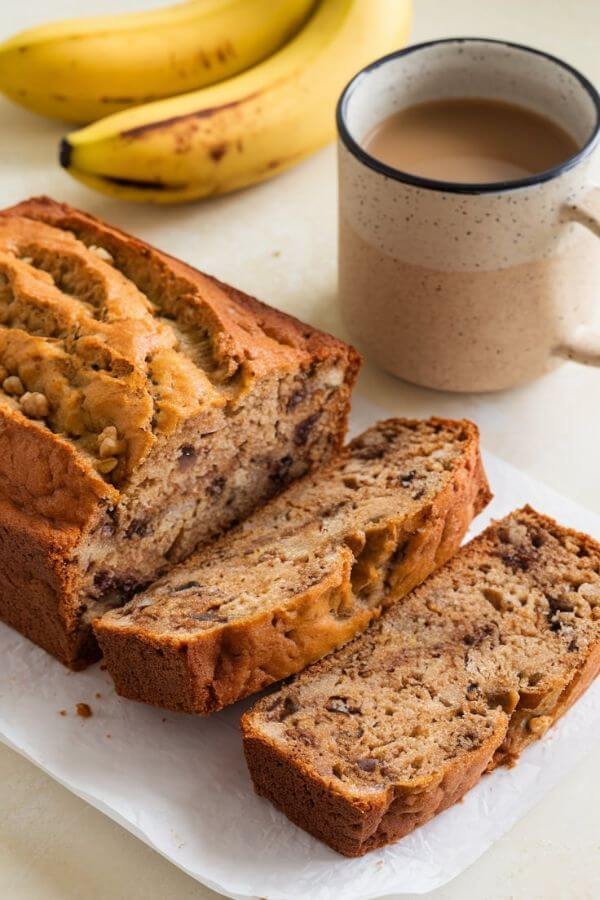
278,241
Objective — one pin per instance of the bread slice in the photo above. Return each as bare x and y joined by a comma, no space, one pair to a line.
302,575
144,408
475,664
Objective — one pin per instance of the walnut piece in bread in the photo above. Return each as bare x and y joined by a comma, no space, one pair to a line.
145,407
474,665
303,574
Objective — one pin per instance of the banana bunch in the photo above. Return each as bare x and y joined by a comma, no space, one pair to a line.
82,69
221,136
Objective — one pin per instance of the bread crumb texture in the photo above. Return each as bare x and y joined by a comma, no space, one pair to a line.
144,408
475,664
304,574
111,348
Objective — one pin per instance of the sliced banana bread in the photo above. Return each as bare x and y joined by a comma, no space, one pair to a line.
475,664
302,575
144,407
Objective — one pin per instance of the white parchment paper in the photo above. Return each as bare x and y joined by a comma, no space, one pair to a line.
181,785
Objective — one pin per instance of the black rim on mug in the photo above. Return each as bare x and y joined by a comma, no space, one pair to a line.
459,187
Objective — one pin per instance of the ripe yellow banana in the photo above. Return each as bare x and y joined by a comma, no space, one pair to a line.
83,69
247,128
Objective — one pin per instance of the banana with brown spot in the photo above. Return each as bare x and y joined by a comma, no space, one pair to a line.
82,69
243,130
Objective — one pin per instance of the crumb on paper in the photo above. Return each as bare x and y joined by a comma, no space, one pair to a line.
98,695
84,710
164,719
62,712
109,736
276,253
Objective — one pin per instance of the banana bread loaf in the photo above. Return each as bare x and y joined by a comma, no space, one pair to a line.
144,407
302,575
475,664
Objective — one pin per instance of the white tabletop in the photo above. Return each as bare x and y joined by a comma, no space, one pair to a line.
278,241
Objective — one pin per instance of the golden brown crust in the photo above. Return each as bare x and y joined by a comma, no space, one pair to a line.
38,583
43,474
529,725
539,710
354,817
145,342
49,498
248,331
207,671
355,825
113,345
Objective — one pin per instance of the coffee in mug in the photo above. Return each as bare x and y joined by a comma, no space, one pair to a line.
469,139
468,223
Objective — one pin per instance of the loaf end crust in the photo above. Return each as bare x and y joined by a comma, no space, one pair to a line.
108,346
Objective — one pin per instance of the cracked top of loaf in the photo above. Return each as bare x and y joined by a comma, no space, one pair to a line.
107,345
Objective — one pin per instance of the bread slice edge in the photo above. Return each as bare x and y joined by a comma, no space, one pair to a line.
224,665
355,821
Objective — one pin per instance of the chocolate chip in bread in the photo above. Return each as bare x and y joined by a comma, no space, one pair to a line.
144,408
302,575
474,665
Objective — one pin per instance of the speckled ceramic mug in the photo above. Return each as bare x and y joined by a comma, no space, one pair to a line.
470,287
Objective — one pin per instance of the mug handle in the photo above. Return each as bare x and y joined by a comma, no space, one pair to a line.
584,345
